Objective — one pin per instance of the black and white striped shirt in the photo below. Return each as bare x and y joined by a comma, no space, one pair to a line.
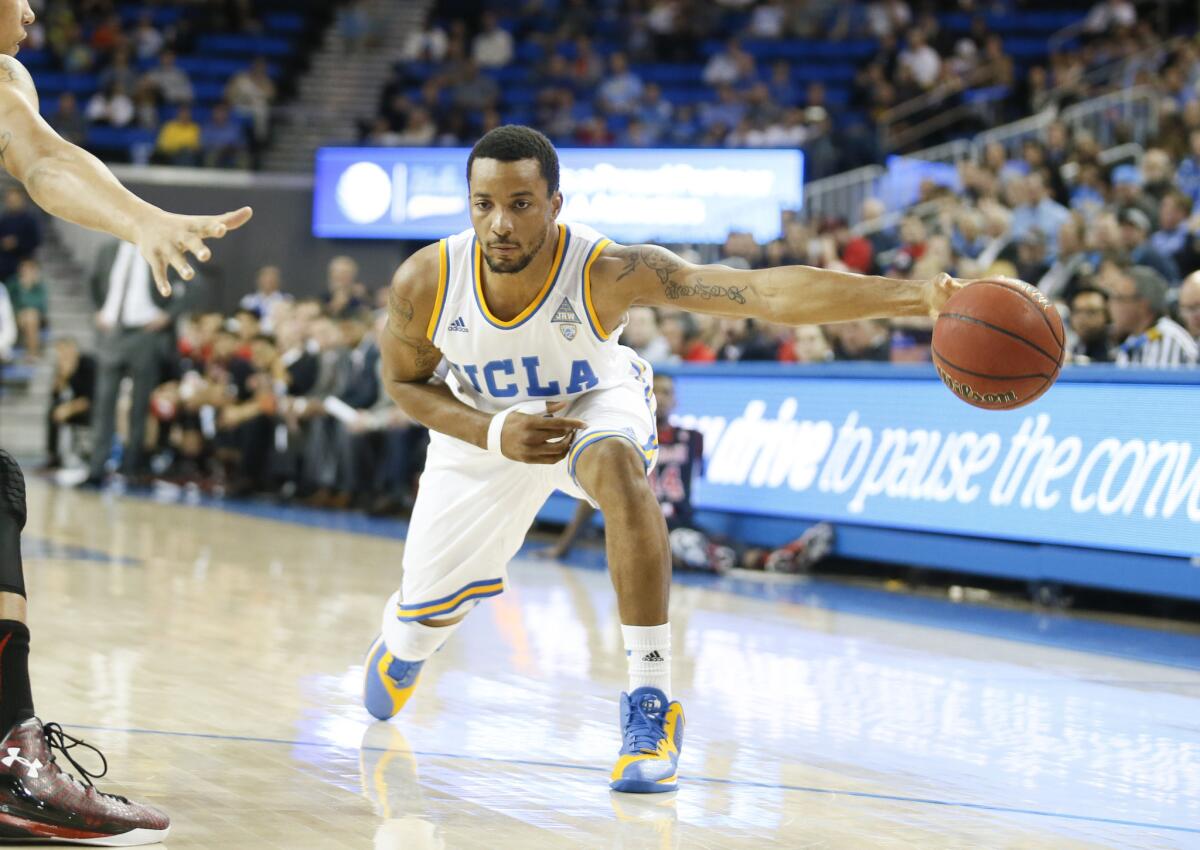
1166,344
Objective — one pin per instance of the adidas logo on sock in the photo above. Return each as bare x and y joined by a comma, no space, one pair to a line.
458,325
652,655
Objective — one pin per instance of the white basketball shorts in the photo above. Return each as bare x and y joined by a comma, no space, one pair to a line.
474,507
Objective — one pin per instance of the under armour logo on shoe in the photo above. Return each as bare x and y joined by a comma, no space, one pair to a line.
14,755
652,655
459,325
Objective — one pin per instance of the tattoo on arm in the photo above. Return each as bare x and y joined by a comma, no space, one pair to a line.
5,141
400,316
7,74
665,265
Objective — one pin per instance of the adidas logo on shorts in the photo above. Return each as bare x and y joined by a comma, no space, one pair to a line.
458,325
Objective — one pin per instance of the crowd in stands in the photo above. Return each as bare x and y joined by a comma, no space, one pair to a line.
179,82
747,73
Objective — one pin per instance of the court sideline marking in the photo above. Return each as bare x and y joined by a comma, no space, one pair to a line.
741,783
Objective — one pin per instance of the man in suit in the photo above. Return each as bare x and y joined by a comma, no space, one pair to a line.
135,324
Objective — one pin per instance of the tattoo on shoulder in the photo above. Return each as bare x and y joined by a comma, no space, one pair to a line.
5,141
400,317
665,265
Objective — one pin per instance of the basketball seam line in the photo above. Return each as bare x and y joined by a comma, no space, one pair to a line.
998,329
953,365
1041,310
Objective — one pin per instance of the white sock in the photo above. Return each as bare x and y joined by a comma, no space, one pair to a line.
409,640
649,652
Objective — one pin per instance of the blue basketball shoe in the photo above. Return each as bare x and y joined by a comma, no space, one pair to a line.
388,681
653,733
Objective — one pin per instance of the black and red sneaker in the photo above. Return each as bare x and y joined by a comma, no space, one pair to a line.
41,802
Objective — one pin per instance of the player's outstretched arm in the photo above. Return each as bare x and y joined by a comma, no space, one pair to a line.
410,359
795,295
69,182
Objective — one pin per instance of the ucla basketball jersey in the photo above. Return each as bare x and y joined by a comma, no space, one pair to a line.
555,349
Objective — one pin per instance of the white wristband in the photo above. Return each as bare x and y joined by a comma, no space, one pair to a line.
495,427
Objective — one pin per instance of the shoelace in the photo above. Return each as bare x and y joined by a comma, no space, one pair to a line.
56,739
643,729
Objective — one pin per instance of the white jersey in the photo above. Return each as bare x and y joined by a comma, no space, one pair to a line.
555,349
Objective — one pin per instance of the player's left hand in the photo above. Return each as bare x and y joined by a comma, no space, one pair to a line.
165,239
938,290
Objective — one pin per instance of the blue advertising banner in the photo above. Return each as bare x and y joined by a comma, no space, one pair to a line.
631,195
1091,464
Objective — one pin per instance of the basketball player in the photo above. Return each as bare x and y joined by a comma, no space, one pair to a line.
533,393
38,800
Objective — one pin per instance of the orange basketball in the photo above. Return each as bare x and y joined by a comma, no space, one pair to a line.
998,344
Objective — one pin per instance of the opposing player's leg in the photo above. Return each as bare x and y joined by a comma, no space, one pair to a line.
472,512
38,800
608,464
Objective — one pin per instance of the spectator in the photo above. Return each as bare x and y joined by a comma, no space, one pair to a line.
67,121
119,72
1175,238
1127,191
809,345
745,339
1031,255
1042,212
169,82
731,65
425,45
768,19
493,46
20,233
1089,324
654,111
620,93
474,92
250,94
1189,304
340,300
30,304
111,106
1135,239
888,17
179,139
863,339
1158,175
643,335
921,60
147,40
71,398
1146,335
1187,175
685,334
420,129
1109,15
135,324
224,141
1059,281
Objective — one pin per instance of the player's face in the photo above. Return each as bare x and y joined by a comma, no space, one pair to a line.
512,212
15,15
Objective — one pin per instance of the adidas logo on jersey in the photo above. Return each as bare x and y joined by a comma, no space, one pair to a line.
458,325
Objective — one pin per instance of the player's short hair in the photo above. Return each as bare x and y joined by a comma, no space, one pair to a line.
514,142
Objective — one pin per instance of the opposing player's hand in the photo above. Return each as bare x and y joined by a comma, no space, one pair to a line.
165,239
938,290
538,439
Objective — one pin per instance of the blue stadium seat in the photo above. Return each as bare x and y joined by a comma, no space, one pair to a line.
284,22
665,74
243,45
118,138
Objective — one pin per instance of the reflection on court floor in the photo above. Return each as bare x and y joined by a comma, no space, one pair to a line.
221,674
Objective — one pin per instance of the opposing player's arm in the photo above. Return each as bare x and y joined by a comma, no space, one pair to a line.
69,182
794,295
410,359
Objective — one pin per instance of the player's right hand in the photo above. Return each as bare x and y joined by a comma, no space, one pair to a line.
539,438
165,239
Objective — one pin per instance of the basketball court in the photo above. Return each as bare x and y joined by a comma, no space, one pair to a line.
214,655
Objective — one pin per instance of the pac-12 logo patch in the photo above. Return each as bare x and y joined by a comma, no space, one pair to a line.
569,331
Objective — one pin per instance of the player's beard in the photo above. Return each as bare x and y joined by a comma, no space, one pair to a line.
517,265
